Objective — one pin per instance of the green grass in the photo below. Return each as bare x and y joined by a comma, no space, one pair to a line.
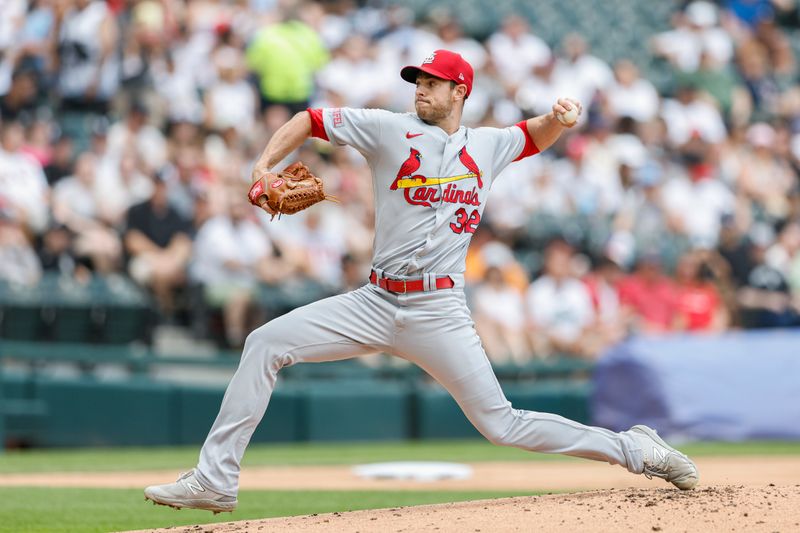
178,458
86,510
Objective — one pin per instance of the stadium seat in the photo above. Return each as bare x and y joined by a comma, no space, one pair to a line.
20,312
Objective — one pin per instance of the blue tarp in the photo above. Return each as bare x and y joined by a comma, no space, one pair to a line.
731,387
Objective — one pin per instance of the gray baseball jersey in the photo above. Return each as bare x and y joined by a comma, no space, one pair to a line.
430,189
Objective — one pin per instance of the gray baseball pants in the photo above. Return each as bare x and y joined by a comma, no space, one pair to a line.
433,330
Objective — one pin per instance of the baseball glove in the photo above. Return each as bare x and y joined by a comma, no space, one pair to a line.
289,191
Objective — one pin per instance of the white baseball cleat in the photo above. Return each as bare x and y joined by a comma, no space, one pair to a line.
664,461
188,493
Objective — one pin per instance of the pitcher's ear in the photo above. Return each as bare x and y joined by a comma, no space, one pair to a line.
461,90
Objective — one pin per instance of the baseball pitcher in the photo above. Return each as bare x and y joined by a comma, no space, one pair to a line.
432,177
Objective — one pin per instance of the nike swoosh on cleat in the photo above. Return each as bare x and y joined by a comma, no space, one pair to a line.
410,135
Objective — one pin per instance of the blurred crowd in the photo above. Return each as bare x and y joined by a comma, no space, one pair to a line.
128,130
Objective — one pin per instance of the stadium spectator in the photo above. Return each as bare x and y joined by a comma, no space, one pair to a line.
631,95
783,251
285,57
18,262
599,167
765,299
695,32
759,80
548,194
699,306
60,164
20,102
176,85
121,184
77,205
689,116
499,314
322,248
516,51
734,248
487,252
451,33
603,285
158,245
186,181
87,55
719,81
22,182
764,176
695,200
354,76
589,75
136,133
56,254
559,306
545,82
38,135
231,255
648,297
230,101
641,222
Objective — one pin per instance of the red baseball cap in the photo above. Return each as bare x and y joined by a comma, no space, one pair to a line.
443,64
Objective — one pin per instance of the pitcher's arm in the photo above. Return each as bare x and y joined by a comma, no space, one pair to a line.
287,139
546,129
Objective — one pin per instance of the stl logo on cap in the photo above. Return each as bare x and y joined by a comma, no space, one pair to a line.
443,64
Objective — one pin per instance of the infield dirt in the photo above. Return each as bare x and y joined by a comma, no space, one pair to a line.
727,508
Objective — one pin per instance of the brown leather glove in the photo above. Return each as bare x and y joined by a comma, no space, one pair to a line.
287,192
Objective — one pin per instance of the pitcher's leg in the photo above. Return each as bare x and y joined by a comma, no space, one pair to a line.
340,327
450,351
479,395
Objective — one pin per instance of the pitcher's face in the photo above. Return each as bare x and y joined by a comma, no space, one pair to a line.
434,98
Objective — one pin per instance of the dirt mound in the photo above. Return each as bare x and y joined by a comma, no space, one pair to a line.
722,508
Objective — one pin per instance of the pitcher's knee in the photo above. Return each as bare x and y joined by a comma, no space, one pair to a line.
264,343
498,427
497,437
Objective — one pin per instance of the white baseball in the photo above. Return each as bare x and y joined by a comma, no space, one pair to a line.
570,117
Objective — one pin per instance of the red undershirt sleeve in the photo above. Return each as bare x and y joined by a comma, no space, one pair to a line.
530,146
317,127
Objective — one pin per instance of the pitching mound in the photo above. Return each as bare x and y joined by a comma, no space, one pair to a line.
724,508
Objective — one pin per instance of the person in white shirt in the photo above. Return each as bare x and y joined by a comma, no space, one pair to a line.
631,95
696,32
120,184
688,116
516,51
18,262
586,73
559,305
230,102
77,206
500,318
355,74
231,255
22,181
146,139
696,202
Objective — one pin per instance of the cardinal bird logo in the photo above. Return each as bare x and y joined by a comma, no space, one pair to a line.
408,168
468,162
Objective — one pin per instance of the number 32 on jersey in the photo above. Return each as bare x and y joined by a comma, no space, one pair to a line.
465,223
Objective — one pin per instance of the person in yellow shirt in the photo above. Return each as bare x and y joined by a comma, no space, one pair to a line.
285,57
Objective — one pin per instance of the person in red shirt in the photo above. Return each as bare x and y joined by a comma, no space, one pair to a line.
699,305
649,297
